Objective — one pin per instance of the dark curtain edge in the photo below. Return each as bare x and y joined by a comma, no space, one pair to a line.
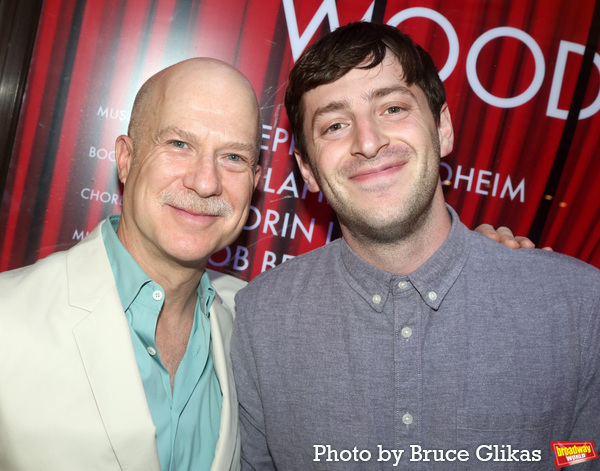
18,28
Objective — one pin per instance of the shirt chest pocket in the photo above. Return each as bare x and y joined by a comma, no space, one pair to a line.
505,441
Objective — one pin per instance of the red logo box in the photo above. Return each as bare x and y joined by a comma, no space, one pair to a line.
569,453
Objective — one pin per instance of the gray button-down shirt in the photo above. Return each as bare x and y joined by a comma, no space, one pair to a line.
340,365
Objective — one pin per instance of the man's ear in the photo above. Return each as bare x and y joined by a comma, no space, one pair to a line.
123,157
307,173
445,131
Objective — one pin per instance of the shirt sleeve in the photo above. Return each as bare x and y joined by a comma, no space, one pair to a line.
255,450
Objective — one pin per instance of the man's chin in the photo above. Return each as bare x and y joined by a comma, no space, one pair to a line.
200,251
380,229
195,261
189,253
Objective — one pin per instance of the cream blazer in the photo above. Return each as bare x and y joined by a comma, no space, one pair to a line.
71,396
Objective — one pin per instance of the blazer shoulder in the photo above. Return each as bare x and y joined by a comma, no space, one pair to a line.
77,276
48,269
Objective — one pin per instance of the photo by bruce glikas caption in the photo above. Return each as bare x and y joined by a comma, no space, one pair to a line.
504,453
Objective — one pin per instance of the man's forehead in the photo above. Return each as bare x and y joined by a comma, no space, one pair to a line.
381,80
206,105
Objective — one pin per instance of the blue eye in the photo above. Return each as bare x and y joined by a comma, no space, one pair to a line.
179,144
234,157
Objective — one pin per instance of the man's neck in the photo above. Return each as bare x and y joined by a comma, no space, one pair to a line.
179,283
406,255
179,280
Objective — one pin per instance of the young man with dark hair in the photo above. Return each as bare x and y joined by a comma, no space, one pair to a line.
412,342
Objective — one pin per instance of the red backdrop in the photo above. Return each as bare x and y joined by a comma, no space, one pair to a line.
511,70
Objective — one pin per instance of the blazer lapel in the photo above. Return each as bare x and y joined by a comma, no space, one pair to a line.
227,449
104,343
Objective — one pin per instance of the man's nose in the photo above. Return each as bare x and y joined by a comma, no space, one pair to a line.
203,177
369,138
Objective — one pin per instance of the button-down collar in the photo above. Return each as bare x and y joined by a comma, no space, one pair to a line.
369,282
432,280
131,278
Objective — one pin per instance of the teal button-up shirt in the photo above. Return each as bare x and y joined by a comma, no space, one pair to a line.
187,418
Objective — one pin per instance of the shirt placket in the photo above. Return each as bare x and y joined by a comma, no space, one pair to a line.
407,364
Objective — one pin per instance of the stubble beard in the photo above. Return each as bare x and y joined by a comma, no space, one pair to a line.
393,225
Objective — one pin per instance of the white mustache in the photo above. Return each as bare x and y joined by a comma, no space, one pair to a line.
212,206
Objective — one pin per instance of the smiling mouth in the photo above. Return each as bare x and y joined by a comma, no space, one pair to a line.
194,213
374,172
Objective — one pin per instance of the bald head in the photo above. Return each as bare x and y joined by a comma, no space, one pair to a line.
206,82
188,166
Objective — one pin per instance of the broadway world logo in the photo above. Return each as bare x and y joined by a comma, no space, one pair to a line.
569,453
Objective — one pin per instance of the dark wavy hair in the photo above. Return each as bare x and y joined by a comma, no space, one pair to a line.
358,45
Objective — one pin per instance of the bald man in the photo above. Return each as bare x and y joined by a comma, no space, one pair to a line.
115,353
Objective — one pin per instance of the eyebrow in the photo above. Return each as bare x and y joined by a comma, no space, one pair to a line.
193,137
372,95
385,91
169,131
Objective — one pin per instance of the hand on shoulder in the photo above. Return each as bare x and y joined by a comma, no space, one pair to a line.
505,236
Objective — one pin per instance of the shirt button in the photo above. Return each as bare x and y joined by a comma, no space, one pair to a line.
157,295
151,351
407,419
406,332
402,285
432,295
376,299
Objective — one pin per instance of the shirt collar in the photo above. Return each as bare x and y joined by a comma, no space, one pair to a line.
432,280
130,277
